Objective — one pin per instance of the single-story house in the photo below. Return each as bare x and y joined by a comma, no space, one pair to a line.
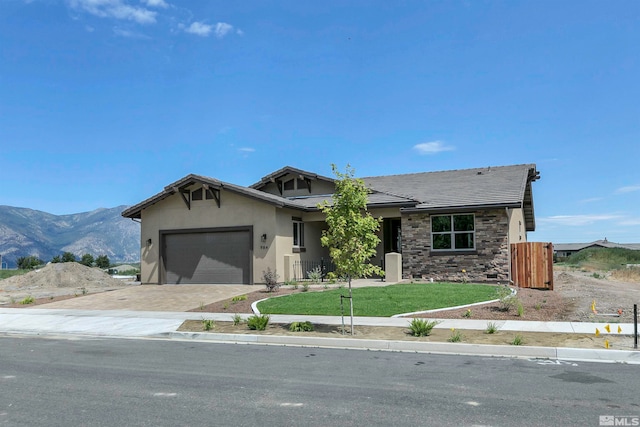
563,250
203,230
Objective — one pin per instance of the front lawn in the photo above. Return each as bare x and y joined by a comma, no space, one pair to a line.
380,301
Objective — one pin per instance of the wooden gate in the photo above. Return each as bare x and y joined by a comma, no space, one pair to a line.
532,265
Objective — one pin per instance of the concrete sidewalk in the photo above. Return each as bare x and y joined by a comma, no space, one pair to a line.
164,324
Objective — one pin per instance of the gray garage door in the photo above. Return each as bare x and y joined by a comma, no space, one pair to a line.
213,257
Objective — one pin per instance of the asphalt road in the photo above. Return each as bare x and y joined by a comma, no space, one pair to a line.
112,382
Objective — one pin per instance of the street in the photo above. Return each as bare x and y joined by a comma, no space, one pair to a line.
117,382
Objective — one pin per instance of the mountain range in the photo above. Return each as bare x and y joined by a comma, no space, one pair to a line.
25,232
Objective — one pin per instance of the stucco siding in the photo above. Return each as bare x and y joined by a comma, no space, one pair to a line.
234,211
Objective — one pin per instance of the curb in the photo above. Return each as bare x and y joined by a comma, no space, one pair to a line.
487,350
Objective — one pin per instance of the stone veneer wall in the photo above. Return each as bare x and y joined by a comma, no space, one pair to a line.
488,263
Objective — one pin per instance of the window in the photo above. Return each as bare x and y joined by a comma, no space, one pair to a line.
298,233
453,232
196,194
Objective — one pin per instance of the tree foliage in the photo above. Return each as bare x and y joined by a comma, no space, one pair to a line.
102,261
352,232
87,259
68,257
28,262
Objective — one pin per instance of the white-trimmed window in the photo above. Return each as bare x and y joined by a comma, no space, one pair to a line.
453,232
298,233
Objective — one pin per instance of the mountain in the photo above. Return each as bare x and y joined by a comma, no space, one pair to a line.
25,232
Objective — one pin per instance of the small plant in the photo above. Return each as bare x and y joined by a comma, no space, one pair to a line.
467,313
597,276
456,336
270,280
421,327
325,286
517,340
238,298
538,306
520,309
237,319
225,306
258,323
305,287
208,324
301,327
492,328
506,298
28,300
465,278
315,275
291,283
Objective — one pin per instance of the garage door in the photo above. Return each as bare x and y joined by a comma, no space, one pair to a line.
218,257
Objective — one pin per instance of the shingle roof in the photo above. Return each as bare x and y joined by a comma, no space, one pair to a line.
500,186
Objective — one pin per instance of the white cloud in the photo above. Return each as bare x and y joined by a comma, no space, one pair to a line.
240,32
432,147
156,3
628,189
578,220
591,200
199,28
129,34
247,149
117,9
222,29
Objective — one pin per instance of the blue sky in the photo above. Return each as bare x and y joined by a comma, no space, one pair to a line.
104,102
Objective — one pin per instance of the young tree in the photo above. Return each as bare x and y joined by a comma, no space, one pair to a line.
102,261
87,259
352,232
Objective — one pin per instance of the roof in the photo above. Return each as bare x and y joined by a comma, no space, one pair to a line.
286,171
465,189
574,247
136,210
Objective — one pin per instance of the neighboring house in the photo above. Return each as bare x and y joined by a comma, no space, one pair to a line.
202,230
563,250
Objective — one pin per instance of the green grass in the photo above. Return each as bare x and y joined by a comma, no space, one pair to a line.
380,301
5,274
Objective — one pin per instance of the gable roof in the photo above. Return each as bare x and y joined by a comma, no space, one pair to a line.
287,170
191,179
455,190
598,243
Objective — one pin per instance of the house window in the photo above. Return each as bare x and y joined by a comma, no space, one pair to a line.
298,234
196,194
453,232
289,185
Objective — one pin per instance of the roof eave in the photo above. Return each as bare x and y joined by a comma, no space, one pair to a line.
461,208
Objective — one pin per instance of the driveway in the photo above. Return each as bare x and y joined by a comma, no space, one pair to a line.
154,297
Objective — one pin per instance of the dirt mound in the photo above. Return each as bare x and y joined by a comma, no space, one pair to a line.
61,275
564,278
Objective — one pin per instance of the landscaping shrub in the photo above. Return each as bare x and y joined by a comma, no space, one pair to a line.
270,280
421,327
258,323
301,327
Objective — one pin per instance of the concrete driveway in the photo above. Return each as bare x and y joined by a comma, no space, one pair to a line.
155,297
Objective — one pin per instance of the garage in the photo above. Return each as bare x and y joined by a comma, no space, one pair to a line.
207,257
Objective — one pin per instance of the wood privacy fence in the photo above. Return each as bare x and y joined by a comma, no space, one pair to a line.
532,265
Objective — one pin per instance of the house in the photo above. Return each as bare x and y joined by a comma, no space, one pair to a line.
563,250
203,230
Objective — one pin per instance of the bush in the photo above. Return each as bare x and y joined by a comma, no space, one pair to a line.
517,340
28,300
270,280
258,323
237,319
506,297
208,324
315,275
421,327
239,298
456,336
305,287
301,327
